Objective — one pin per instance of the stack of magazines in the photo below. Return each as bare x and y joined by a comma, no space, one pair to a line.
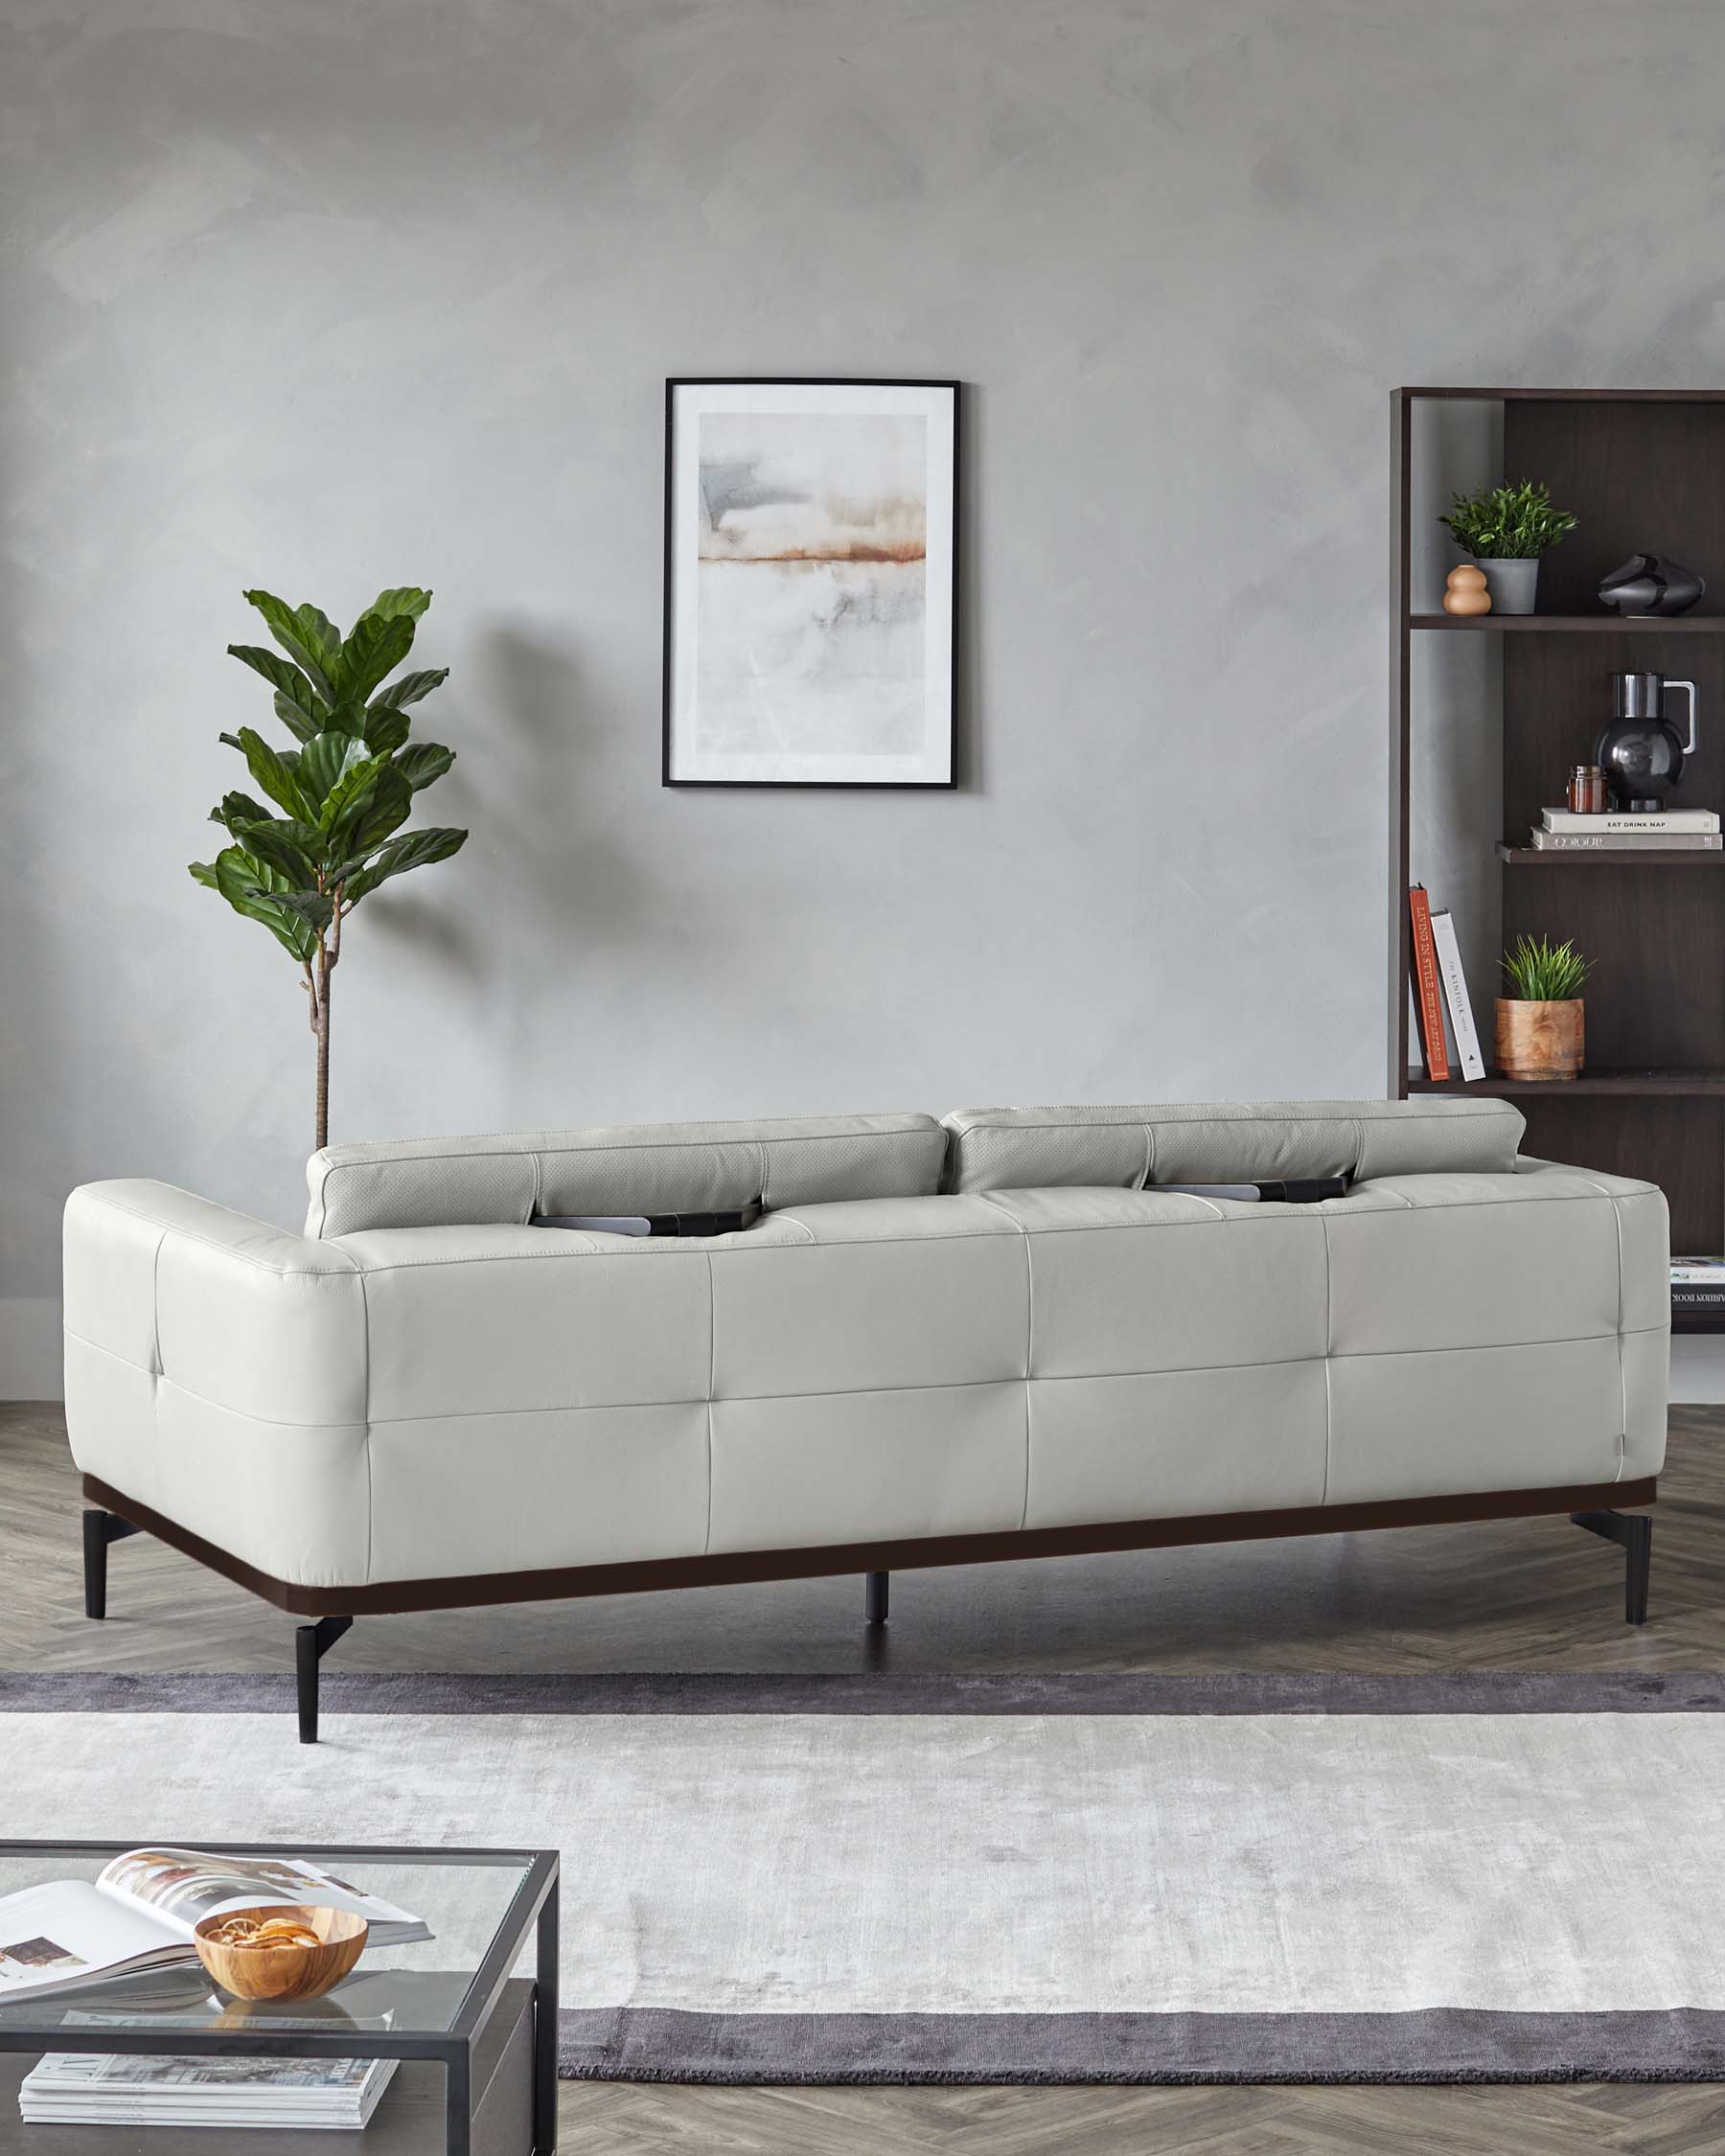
1699,1287
96,2089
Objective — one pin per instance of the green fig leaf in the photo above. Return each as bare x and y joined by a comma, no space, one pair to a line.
273,771
385,730
405,599
424,762
413,849
324,760
245,882
410,689
238,808
306,635
377,647
377,813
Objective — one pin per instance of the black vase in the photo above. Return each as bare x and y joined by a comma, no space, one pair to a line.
1639,752
1651,583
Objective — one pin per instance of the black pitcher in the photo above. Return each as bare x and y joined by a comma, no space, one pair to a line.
1640,751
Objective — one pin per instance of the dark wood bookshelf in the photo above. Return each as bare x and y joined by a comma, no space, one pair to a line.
1640,468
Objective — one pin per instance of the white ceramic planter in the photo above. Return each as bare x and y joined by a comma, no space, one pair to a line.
1512,584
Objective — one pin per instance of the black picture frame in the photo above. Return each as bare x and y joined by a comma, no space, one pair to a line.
675,383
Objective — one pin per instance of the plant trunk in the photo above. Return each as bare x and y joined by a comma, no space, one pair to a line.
320,1025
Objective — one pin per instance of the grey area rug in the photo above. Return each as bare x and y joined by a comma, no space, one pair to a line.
886,1878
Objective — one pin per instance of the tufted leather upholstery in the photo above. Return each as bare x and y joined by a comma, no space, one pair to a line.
633,1168
1263,1141
399,1402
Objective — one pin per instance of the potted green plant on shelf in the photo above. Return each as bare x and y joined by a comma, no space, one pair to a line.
1505,530
1539,1023
344,791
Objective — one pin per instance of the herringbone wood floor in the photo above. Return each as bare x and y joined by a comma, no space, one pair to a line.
1518,1595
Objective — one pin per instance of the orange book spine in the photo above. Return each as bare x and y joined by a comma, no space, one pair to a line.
1427,996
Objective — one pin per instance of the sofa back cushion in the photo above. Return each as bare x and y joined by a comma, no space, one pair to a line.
628,1168
1035,1148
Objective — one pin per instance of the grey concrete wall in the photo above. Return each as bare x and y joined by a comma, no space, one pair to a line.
329,294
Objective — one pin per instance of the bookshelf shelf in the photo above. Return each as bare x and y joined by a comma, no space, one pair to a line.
1606,857
1701,1084
1574,625
1638,469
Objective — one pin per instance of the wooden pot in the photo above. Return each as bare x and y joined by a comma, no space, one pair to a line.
1540,1039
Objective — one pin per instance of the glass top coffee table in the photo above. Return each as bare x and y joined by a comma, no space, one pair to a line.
454,2002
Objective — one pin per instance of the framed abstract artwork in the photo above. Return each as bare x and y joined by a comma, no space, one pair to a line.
811,582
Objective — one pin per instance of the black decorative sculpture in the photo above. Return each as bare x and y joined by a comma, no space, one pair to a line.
1651,583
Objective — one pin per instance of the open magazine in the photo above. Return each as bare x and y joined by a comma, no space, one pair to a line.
141,1913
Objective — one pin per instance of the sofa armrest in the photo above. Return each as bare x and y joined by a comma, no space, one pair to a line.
233,1310
216,1371
1643,1304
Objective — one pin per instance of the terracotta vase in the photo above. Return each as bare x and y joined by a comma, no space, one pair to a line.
1465,590
1540,1039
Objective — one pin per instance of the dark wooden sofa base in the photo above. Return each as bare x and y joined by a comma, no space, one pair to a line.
1595,1506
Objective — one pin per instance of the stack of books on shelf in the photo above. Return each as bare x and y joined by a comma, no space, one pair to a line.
96,2089
1681,831
1699,1287
1438,980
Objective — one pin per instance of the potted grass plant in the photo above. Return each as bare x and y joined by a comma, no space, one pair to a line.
1539,1025
1505,530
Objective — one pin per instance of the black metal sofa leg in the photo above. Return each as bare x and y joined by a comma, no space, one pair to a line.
100,1528
1634,1530
311,1644
874,1602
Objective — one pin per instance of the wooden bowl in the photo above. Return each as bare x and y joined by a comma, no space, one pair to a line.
283,1972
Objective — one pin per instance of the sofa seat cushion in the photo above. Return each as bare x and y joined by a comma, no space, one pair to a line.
1024,1148
628,1168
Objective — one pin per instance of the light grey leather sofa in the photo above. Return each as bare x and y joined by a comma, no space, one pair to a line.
989,1337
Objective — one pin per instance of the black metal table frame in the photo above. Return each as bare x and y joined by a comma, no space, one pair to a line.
532,1906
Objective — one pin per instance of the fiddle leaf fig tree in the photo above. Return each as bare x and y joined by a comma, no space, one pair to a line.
329,829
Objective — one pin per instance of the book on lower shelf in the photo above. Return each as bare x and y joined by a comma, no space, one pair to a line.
1640,822
102,2088
1698,1272
1455,995
1544,841
1422,979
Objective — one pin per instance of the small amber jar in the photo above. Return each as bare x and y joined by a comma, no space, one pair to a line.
1587,796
